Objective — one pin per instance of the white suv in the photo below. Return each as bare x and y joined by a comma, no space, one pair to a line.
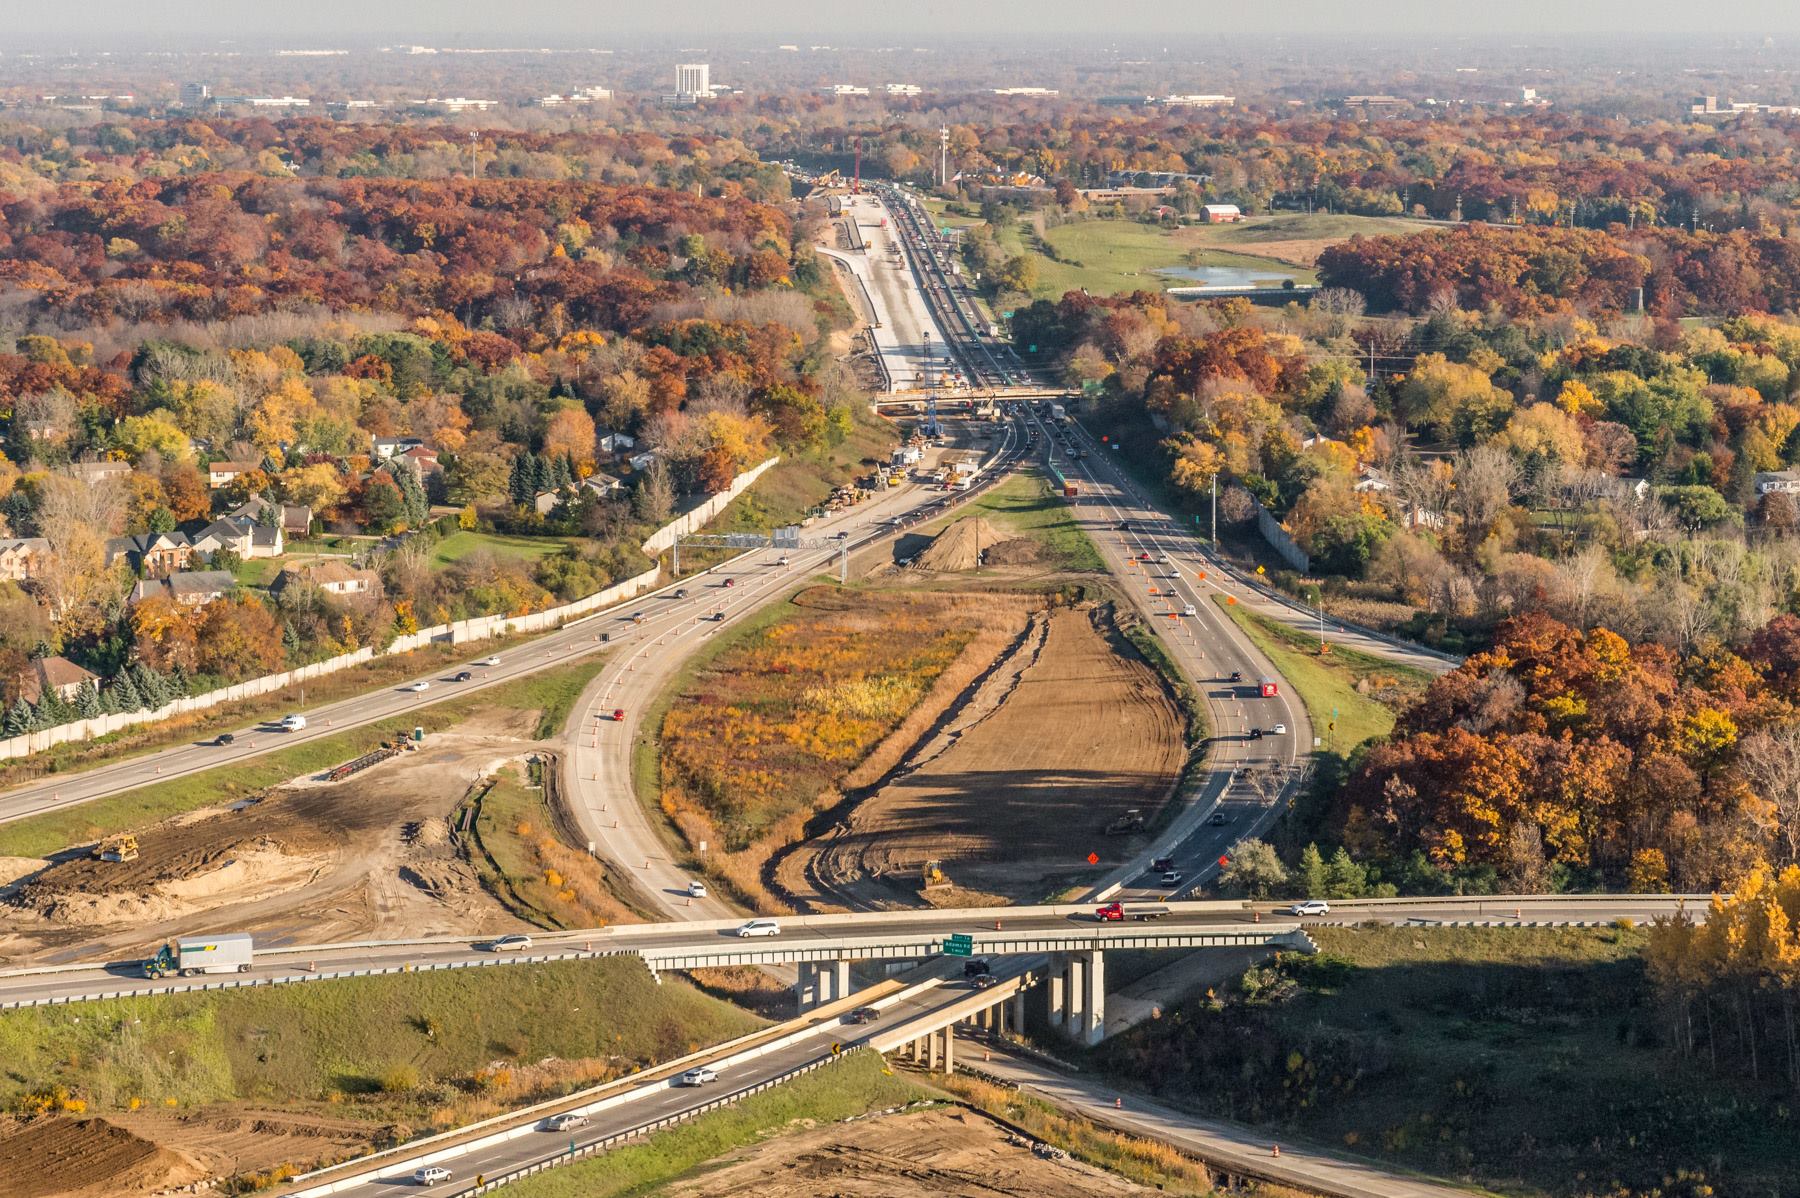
1310,907
760,927
430,1175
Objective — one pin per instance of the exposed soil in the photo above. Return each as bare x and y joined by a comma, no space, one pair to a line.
938,1153
972,542
1015,785
306,863
86,1158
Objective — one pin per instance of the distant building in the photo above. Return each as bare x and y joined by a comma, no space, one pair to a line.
195,95
1769,482
579,97
1375,104
459,104
602,483
273,101
1193,101
240,535
1220,214
189,588
614,442
902,89
694,79
338,578
843,89
386,447
1026,91
295,519
94,473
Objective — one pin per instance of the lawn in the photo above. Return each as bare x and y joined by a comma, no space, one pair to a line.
334,1040
524,862
856,1085
1025,504
1530,1061
1111,256
463,542
552,692
1328,685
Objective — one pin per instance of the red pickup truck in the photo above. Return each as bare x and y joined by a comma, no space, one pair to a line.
1116,913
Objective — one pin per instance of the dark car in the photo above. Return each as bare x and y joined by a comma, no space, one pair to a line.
731,582
462,676
1219,819
681,592
984,980
1256,734
1162,865
223,739
1124,526
863,1015
1237,675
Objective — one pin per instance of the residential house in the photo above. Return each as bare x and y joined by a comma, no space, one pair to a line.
641,461
93,473
54,674
384,448
190,588
545,501
423,458
153,554
614,443
222,474
295,519
240,535
1372,480
23,557
1770,481
602,483
339,578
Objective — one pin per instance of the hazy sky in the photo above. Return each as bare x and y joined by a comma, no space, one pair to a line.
611,22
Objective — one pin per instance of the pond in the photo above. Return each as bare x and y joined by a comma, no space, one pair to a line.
1229,276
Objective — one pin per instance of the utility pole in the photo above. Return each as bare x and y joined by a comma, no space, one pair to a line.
943,155
474,154
1215,511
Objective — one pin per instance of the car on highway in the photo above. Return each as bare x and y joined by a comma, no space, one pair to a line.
430,1175
293,723
975,968
759,927
637,617
567,1121
717,617
1219,819
681,592
1188,609
516,943
696,889
1171,877
1279,730
1159,865
223,739
1309,907
699,1076
840,536
730,582
782,560
863,1015
1237,675
1124,526
488,662
984,980
416,687
1256,734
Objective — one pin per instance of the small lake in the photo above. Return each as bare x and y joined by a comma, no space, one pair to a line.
1227,276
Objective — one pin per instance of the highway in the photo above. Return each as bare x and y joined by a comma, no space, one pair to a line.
893,935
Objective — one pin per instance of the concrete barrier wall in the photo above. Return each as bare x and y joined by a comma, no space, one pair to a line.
665,536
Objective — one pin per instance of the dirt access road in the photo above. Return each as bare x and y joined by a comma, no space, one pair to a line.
936,1153
308,862
1015,785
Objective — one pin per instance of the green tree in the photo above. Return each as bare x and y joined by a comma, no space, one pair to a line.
87,700
1345,878
1312,877
1253,869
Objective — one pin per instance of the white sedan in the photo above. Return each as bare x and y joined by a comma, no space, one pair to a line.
416,687
696,889
430,1175
1279,730
700,1076
489,662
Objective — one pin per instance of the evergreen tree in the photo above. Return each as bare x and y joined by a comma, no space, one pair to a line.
178,682
542,475
290,641
149,685
125,694
560,475
518,487
87,701
162,520
1313,879
1345,877
51,710
18,719
412,497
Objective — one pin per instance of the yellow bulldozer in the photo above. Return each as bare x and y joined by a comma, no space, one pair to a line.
117,848
932,876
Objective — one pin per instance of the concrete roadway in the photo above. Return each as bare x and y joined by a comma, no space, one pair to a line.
908,338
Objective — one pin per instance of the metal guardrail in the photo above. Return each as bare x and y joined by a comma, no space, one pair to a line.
488,1185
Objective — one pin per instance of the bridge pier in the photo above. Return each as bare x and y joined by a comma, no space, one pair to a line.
1095,971
820,982
1074,996
949,1048
1077,996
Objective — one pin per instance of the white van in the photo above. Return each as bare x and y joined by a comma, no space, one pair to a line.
292,723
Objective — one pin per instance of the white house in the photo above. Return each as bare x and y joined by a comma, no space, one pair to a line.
1770,481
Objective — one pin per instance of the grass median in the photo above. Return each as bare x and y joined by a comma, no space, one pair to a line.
552,693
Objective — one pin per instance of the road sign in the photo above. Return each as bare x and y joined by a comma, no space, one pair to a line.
958,946
836,1048
1093,858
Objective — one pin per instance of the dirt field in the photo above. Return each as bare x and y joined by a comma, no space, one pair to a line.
86,1158
937,1153
311,861
1016,784
973,541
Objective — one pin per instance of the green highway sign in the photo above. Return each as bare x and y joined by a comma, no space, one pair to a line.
1007,315
958,946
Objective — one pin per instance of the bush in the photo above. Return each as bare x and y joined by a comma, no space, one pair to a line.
399,1079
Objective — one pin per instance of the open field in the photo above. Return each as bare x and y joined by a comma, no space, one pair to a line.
1109,256
1016,784
1361,694
1298,237
1527,1060
245,1080
547,696
462,543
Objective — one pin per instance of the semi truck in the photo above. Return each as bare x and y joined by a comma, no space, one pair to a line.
1267,688
230,952
1118,913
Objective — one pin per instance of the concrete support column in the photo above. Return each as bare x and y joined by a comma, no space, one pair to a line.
806,987
1096,998
1058,995
1076,990
931,1043
1018,1013
999,1026
840,978
950,1048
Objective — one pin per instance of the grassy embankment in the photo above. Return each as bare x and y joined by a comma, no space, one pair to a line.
464,542
552,694
1360,693
525,863
796,485
1526,1060
429,1049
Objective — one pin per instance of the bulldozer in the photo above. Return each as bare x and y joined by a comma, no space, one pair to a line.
933,877
117,848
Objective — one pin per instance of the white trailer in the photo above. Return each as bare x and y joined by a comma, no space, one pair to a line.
228,952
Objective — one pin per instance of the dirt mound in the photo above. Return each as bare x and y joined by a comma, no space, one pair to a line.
962,545
80,892
926,1154
78,1158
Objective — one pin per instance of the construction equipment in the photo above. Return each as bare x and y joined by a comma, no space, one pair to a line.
933,877
117,848
1131,821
